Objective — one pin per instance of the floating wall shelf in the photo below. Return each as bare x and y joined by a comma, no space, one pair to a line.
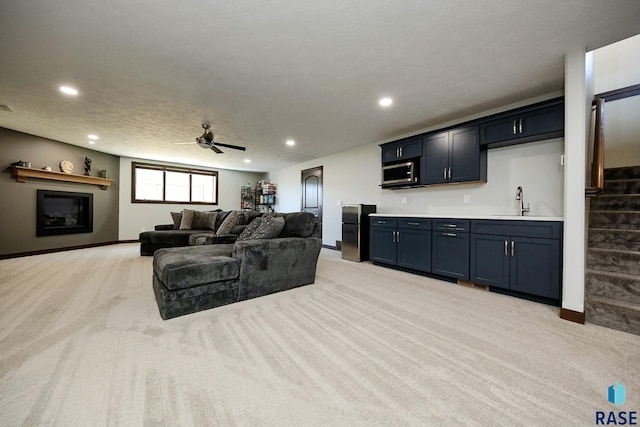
22,173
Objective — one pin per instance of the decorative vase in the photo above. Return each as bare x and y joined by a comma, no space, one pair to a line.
66,166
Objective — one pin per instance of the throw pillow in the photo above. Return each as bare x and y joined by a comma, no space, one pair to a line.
177,219
269,228
249,229
187,219
204,220
222,215
231,221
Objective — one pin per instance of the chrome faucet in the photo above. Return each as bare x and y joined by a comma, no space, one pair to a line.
520,197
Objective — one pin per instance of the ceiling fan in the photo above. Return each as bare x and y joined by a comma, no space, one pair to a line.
206,141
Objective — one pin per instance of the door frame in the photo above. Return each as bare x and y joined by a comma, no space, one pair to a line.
320,169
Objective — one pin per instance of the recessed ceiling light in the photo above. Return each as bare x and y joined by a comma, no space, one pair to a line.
385,102
68,90
91,142
291,142
92,136
247,160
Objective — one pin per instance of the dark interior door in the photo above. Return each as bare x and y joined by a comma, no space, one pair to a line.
311,182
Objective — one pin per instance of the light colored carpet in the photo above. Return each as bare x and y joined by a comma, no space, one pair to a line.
82,343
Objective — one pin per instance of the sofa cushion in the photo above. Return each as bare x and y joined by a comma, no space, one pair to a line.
204,221
176,217
187,219
298,224
230,222
181,268
169,237
222,215
249,229
266,227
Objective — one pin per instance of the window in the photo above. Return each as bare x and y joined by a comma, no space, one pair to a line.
168,184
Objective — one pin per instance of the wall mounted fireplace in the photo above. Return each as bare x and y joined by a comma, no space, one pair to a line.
62,212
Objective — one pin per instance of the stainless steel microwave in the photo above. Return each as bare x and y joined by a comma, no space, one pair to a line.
400,173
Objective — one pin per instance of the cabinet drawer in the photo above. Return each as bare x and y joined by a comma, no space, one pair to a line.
414,224
522,228
459,225
383,222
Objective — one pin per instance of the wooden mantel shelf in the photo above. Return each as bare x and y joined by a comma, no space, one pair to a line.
22,173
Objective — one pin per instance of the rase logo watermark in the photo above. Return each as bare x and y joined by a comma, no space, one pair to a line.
616,396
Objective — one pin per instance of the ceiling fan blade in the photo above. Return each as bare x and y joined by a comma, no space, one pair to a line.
203,143
235,147
216,149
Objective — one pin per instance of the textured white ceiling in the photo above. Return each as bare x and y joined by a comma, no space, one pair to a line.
263,71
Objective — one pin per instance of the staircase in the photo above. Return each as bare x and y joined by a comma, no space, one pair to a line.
612,282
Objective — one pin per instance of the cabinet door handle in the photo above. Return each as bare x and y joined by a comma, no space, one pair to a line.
450,234
515,131
397,237
444,173
413,223
506,248
401,147
450,225
513,248
520,126
449,172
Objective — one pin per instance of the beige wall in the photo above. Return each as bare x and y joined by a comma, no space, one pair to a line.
137,217
18,212
617,66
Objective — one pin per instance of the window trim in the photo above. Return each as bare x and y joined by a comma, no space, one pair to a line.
164,168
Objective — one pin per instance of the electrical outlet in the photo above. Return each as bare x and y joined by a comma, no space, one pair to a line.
467,198
403,200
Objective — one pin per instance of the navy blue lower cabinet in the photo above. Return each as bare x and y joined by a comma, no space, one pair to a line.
450,254
414,249
382,237
526,259
490,260
402,242
535,266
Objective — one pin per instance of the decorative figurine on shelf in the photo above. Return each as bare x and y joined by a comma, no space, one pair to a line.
104,173
87,166
66,166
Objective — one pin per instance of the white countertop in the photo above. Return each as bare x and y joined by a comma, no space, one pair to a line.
502,217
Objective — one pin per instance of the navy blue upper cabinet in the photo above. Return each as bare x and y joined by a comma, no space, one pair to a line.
404,149
453,156
544,120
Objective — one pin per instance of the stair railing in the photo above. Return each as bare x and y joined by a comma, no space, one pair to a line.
597,165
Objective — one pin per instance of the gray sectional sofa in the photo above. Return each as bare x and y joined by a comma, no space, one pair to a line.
193,278
171,236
